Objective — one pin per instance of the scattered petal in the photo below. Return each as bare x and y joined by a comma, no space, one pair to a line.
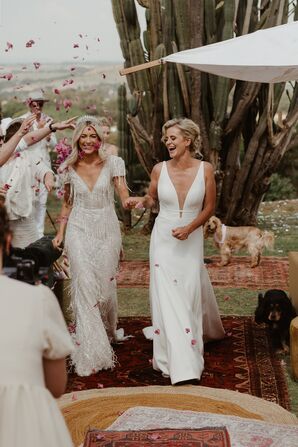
78,343
30,43
193,342
187,330
75,45
227,298
154,436
57,91
100,385
9,46
36,65
7,76
99,437
81,36
74,397
157,331
67,82
67,103
156,265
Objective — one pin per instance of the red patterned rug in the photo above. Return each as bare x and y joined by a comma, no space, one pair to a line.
201,437
271,273
243,361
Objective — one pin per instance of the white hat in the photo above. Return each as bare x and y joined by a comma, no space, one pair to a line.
37,95
5,122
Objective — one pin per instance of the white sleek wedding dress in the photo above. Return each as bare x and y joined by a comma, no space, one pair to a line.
92,244
183,304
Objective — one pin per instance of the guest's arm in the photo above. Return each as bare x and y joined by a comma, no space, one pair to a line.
9,147
55,375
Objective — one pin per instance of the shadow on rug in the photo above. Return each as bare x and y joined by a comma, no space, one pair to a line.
243,361
237,274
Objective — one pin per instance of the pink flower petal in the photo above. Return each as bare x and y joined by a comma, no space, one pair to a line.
99,437
9,46
30,43
81,36
226,298
57,91
187,330
193,342
75,45
67,103
100,385
157,331
74,397
154,437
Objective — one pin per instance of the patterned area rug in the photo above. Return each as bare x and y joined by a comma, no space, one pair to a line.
203,437
271,273
243,361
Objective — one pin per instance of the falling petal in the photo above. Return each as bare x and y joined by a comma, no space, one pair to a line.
81,36
193,342
75,45
157,331
103,76
156,265
57,91
9,46
100,385
74,397
67,103
30,43
99,437
36,65
72,68
187,330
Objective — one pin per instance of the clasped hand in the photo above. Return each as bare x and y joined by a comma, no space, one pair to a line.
180,233
134,202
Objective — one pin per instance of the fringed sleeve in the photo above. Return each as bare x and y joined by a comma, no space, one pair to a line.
117,166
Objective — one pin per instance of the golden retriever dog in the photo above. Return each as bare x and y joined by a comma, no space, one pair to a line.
231,239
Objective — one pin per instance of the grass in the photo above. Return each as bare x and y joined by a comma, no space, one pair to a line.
280,217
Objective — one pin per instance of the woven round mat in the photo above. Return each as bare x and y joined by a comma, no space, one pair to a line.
100,408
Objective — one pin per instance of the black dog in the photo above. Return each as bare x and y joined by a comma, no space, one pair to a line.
276,310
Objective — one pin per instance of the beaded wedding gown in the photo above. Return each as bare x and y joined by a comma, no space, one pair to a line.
92,244
183,304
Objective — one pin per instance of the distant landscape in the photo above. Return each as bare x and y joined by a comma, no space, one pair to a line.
91,88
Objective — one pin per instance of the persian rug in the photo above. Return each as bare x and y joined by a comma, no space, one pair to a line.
202,437
242,432
272,273
243,361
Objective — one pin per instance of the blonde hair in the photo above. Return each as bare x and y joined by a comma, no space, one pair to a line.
189,129
86,120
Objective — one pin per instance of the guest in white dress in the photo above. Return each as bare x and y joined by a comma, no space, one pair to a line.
21,174
92,244
183,304
34,342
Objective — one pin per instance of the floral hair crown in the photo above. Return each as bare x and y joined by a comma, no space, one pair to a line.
88,119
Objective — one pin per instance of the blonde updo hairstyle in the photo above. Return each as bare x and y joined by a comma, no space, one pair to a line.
81,123
190,130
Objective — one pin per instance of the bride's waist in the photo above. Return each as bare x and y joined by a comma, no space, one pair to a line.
166,214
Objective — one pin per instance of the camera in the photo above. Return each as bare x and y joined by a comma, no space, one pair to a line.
32,264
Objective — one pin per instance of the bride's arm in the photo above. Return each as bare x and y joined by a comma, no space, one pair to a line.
151,198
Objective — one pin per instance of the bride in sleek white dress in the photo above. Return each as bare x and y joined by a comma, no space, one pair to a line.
92,244
183,304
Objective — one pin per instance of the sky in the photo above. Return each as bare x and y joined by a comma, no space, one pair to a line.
55,27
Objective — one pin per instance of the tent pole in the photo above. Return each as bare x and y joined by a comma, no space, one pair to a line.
126,71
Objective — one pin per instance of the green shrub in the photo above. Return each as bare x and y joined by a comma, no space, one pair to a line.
281,188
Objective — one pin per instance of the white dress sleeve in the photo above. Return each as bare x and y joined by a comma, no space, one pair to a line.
57,341
22,145
117,166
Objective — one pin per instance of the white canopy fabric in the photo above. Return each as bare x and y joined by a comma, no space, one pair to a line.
269,55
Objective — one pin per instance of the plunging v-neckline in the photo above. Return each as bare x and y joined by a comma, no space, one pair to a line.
83,181
186,196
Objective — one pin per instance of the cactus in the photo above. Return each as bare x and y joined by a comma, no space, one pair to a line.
231,119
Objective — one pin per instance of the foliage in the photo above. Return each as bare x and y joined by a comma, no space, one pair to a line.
280,188
241,137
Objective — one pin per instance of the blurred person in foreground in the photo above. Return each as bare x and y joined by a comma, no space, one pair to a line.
34,343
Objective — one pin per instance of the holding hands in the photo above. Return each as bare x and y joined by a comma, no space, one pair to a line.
134,202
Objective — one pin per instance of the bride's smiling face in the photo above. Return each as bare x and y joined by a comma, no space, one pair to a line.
175,142
89,141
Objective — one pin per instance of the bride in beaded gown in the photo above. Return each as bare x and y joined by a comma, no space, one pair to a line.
92,245
183,305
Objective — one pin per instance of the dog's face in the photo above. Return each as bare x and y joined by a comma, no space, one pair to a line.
211,225
274,307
